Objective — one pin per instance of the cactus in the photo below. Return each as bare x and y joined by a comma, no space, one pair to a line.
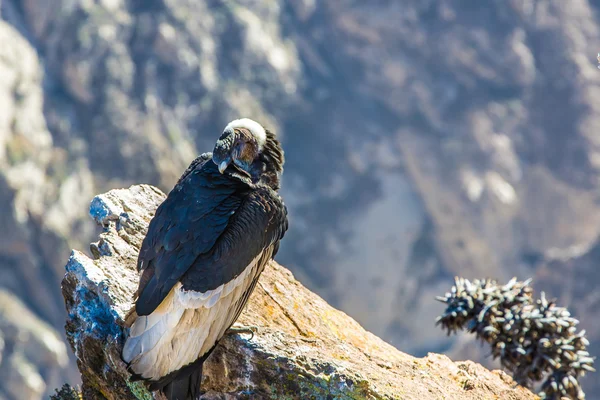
535,340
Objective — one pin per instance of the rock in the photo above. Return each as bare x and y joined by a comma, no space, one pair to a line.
302,348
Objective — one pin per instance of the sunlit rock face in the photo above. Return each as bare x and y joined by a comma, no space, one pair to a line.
302,347
423,139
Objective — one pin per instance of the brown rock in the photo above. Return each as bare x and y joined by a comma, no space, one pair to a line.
302,348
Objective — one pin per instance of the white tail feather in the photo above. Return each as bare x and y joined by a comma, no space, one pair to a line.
184,327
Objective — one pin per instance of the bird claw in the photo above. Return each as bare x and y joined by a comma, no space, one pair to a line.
242,329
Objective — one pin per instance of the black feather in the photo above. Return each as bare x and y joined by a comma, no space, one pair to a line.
186,225
208,230
186,388
185,381
204,208
257,224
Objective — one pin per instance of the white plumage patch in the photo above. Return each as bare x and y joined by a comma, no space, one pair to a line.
191,299
254,127
184,326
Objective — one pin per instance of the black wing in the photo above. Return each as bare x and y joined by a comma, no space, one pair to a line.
261,221
197,163
193,229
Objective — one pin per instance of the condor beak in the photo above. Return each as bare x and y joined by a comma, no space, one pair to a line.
223,166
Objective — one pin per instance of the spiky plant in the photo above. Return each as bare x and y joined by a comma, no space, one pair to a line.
534,339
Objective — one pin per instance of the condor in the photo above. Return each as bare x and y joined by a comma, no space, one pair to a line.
204,251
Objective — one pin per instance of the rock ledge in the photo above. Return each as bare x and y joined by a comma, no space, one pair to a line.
303,347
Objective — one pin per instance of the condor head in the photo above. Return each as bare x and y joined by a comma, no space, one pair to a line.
240,144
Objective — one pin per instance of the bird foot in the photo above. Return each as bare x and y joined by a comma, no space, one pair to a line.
237,330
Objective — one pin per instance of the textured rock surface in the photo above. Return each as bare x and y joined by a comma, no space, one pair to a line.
303,348
443,138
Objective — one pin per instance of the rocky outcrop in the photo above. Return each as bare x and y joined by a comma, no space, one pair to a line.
301,348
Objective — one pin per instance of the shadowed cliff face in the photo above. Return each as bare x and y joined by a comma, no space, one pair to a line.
423,139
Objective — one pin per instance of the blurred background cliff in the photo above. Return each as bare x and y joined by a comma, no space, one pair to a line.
424,139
